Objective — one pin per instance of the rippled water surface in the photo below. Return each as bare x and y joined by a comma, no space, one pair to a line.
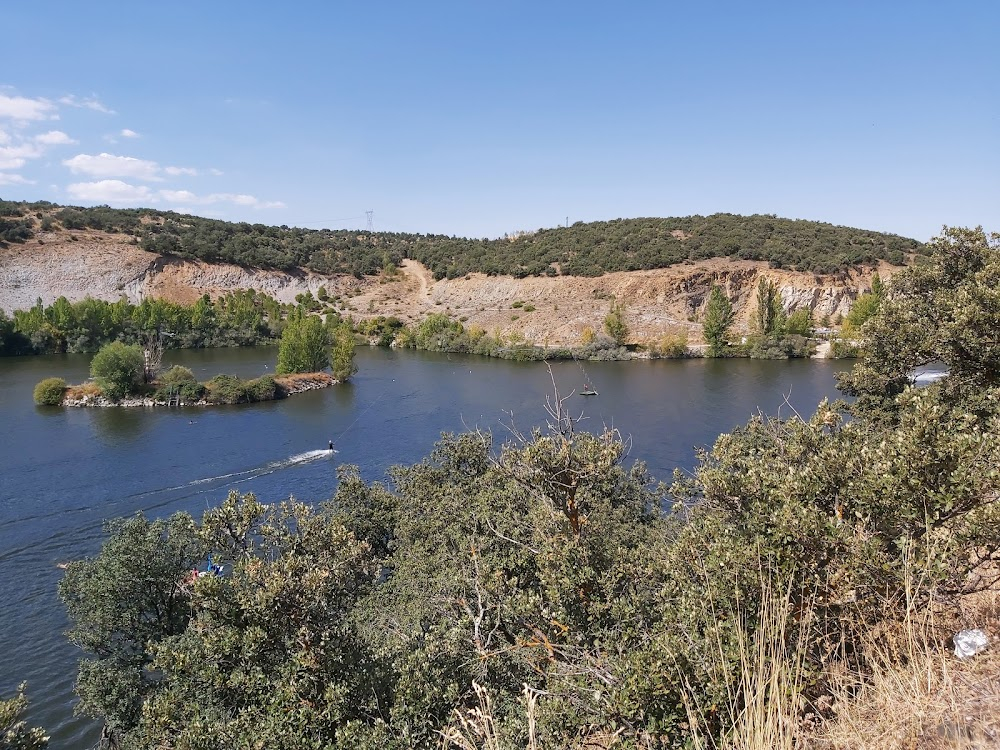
63,472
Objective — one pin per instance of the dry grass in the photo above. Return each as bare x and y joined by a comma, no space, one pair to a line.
934,702
84,390
921,696
766,697
304,381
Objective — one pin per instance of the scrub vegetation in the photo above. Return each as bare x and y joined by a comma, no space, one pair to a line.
580,250
542,593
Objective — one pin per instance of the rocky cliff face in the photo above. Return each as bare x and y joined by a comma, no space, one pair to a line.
545,310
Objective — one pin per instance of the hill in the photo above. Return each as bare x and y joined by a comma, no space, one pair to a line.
580,250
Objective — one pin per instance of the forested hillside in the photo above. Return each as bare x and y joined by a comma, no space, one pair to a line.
580,250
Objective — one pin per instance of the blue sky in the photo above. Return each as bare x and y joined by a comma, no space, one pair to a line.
476,119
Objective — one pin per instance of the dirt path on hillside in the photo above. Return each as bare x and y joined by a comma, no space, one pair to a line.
421,274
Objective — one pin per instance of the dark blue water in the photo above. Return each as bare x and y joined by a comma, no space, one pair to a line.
64,472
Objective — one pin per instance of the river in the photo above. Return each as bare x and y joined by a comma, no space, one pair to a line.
64,472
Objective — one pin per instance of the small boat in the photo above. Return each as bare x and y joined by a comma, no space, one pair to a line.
588,391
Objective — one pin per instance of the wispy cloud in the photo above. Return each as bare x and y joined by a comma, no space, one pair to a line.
111,192
22,109
54,138
121,193
110,165
91,102
178,171
14,179
238,199
126,133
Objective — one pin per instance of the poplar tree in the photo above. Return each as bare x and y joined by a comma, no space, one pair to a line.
305,345
718,318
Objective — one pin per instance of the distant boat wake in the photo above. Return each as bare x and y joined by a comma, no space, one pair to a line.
64,545
238,477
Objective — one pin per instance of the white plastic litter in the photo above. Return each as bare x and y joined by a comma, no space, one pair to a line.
969,643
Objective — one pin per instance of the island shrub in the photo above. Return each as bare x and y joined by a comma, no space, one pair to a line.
263,388
229,389
225,389
179,381
118,369
50,392
176,375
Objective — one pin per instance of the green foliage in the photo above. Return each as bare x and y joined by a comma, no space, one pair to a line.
15,231
944,311
580,250
177,375
230,389
864,308
342,353
672,347
799,322
547,562
49,392
124,601
118,369
270,640
241,318
779,347
305,345
615,325
15,734
717,320
179,381
769,316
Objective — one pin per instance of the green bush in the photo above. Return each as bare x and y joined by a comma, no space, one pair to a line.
118,369
50,391
263,388
841,349
229,389
191,392
674,347
177,375
225,389
779,347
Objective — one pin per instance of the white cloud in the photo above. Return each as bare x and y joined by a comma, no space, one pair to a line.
4,138
109,165
239,199
110,191
14,179
216,172
22,109
53,138
177,171
15,157
126,133
86,103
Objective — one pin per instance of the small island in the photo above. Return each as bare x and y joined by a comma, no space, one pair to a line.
130,375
